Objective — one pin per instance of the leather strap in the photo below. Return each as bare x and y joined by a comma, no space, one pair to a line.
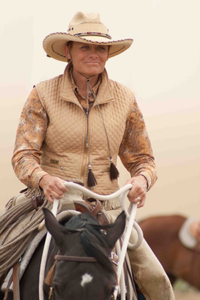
75,258
96,209
16,290
86,206
50,275
7,289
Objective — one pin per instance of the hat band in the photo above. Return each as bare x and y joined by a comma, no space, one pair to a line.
88,33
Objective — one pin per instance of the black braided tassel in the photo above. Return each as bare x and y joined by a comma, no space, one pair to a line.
114,173
91,179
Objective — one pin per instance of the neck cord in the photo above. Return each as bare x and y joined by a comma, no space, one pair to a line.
93,94
114,173
91,178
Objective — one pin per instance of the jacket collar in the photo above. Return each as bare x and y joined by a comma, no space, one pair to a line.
66,91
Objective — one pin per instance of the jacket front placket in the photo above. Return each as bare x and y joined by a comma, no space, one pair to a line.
104,96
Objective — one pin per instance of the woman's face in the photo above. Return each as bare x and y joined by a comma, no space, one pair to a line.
87,59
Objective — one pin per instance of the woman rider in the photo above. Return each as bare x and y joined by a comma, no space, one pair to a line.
74,126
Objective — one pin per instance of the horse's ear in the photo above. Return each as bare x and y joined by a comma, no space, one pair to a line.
53,227
116,231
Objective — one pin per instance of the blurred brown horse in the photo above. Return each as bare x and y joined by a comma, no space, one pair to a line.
162,235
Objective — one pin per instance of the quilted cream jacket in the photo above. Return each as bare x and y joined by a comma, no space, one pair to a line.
63,151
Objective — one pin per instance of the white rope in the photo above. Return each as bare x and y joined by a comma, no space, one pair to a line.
122,191
45,253
126,240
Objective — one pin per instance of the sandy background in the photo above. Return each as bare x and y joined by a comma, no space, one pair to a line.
162,67
187,295
183,291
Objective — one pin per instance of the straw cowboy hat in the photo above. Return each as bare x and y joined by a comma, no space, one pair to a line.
83,28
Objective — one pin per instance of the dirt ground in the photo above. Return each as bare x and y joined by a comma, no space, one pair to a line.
183,291
187,295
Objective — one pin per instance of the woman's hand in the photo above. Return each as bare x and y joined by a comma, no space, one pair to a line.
138,192
53,187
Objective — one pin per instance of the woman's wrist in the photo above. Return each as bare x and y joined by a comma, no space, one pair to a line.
43,181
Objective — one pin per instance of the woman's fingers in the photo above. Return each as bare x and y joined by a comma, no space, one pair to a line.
138,192
53,187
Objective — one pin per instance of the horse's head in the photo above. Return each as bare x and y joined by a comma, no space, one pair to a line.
82,236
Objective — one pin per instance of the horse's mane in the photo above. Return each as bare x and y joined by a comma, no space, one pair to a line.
92,237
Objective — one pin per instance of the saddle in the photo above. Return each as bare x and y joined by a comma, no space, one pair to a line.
189,233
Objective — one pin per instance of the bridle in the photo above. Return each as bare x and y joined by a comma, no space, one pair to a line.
75,258
87,259
51,272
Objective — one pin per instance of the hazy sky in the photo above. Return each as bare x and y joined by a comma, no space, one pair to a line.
163,58
162,67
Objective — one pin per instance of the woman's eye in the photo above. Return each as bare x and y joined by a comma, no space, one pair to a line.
101,48
84,47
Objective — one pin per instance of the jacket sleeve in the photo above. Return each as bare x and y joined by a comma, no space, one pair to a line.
135,150
29,138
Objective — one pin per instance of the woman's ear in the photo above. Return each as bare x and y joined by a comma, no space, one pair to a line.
67,52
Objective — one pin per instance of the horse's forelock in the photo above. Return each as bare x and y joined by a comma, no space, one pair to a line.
92,237
95,245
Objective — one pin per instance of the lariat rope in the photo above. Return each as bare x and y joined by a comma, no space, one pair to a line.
11,251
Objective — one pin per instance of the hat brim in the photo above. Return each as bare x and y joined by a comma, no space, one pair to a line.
54,44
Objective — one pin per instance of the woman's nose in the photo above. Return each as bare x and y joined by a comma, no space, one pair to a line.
93,52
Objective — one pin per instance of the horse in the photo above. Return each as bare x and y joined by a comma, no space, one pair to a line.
178,261
78,263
